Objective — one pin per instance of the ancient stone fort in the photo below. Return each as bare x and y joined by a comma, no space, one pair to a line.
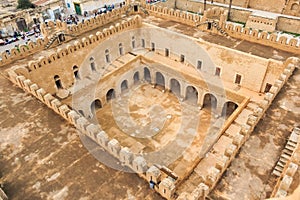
178,98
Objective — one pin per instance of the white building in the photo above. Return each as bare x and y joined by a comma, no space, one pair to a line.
53,8
80,6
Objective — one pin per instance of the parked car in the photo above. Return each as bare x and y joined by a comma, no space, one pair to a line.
29,33
10,40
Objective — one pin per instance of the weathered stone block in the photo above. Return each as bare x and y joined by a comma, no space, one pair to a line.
238,140
212,176
81,123
167,187
153,174
92,130
73,116
264,103
33,88
40,94
258,112
278,83
114,147
221,163
291,170
20,80
126,156
245,129
281,193
252,120
102,139
64,110
274,90
230,150
287,72
269,96
139,164
47,99
200,192
55,103
27,84
291,67
286,183
283,77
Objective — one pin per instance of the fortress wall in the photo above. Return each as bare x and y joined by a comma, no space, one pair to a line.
62,62
230,62
136,162
268,5
214,173
75,30
264,38
288,24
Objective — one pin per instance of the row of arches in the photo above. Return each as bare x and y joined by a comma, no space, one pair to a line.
210,101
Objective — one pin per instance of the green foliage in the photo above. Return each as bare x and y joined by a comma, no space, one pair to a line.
24,4
290,33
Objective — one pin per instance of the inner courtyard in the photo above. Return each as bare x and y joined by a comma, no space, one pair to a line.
154,103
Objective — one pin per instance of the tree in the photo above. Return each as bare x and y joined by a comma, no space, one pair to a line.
24,4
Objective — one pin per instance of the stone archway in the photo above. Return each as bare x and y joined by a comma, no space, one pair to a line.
110,95
124,85
76,72
136,77
160,80
210,101
175,87
96,105
58,82
191,95
147,75
228,108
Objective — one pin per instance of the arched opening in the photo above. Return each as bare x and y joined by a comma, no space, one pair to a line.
110,95
57,82
124,85
107,57
143,43
81,112
147,75
61,37
21,24
192,95
76,73
121,49
210,101
294,6
92,61
160,80
133,42
228,108
175,87
96,105
136,77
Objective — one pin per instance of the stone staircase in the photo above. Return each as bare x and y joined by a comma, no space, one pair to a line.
287,152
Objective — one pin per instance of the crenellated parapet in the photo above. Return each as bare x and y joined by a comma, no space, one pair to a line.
86,42
219,16
136,162
58,27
